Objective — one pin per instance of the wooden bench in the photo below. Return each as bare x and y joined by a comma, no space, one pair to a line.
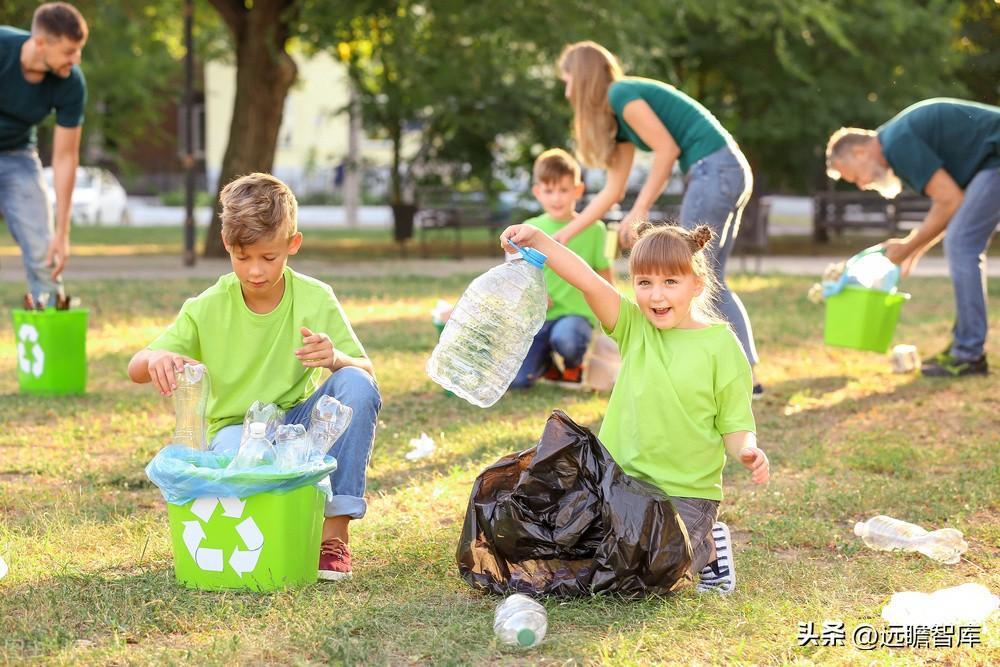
838,211
448,211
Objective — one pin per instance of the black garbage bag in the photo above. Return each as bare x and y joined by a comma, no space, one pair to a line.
562,518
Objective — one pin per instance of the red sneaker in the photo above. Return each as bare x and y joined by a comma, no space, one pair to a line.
334,560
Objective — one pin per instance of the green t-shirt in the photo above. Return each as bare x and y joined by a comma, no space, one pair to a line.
961,137
24,105
589,245
251,357
697,132
678,392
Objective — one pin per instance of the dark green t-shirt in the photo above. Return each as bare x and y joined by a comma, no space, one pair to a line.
24,105
961,137
697,132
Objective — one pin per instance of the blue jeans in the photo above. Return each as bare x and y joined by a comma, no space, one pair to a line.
966,239
24,204
352,387
718,189
568,335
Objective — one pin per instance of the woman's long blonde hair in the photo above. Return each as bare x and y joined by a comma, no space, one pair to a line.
592,70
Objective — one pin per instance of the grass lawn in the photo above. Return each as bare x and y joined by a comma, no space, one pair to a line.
86,539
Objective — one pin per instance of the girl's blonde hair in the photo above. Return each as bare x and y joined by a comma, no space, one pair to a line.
665,248
592,70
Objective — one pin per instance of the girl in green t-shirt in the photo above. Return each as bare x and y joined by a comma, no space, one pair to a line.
682,398
614,114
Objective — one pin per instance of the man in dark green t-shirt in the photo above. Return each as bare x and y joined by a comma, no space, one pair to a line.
39,74
948,150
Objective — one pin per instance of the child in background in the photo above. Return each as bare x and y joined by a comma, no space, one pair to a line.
682,399
268,333
569,322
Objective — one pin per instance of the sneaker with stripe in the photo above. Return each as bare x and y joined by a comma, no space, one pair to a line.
719,575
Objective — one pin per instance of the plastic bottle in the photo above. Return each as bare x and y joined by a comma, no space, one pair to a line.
884,533
520,621
490,330
256,449
190,399
329,419
293,446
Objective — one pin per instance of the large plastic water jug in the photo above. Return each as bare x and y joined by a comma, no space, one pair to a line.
490,330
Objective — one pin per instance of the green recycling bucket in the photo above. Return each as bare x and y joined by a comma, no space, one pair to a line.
265,542
51,351
862,318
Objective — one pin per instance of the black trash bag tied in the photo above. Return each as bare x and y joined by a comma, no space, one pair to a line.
562,518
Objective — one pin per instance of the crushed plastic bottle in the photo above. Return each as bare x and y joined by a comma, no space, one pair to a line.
190,400
884,533
329,419
958,605
421,447
520,621
293,446
3,568
875,271
255,450
490,330
268,413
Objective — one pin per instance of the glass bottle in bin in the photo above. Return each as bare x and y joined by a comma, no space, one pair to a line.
190,400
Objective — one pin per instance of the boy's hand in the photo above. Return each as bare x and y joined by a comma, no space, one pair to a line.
522,235
755,460
162,367
561,237
316,351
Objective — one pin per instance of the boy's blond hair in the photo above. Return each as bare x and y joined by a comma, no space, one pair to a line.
256,207
553,165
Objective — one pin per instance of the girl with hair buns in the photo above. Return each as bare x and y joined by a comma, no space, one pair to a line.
682,399
614,114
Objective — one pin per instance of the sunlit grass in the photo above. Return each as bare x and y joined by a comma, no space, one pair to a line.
86,538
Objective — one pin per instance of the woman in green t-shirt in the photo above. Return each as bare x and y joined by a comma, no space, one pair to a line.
615,114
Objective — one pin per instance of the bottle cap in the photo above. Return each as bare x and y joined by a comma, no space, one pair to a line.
530,255
526,637
258,430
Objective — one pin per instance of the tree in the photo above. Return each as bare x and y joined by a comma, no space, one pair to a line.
265,72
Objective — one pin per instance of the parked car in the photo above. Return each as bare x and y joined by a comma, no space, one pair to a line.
98,197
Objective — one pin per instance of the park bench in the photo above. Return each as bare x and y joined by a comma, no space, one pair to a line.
447,211
838,211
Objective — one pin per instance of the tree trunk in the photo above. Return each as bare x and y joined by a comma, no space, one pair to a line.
264,74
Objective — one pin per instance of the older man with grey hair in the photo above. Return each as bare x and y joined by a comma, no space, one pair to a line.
948,150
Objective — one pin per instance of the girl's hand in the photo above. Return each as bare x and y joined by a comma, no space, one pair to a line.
316,351
522,235
755,460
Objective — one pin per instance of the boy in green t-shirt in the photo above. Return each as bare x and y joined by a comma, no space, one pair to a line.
569,322
266,333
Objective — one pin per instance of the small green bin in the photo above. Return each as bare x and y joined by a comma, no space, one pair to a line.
266,542
862,318
51,351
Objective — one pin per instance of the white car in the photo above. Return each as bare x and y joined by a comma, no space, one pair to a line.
98,197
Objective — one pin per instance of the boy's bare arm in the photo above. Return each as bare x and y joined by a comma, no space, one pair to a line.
742,445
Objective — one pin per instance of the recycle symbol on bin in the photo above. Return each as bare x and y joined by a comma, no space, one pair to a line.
27,334
212,560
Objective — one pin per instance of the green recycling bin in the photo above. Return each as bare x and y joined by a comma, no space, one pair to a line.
265,542
51,351
862,318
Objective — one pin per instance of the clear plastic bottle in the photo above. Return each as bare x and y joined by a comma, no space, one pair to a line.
329,419
293,446
190,400
490,330
884,533
520,621
255,450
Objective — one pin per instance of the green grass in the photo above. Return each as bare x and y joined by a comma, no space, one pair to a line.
86,535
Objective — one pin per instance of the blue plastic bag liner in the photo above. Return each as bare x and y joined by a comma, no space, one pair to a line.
869,268
183,474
